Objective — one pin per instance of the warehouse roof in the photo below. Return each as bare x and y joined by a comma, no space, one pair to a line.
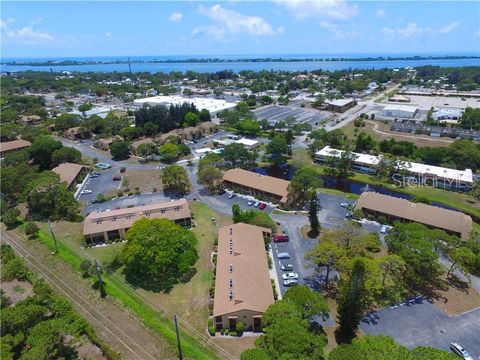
395,107
465,176
99,222
257,181
361,158
434,216
242,279
339,102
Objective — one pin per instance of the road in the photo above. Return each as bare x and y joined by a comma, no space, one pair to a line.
113,324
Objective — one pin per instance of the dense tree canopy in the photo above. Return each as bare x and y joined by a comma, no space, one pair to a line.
42,150
175,178
158,253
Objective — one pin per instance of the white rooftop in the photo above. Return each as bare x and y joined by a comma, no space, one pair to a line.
447,173
339,102
398,107
203,150
212,105
361,158
247,142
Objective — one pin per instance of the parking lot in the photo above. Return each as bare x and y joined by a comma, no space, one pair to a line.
424,324
276,113
99,185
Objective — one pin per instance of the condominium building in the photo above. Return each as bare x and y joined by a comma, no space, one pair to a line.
364,163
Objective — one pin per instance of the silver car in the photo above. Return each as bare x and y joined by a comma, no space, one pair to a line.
283,256
460,351
290,282
290,276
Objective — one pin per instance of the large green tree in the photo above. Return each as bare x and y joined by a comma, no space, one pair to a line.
42,150
66,155
313,216
304,181
158,253
120,150
308,301
278,149
326,255
175,178
237,155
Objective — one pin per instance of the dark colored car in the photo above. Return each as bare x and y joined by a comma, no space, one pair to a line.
280,238
262,206
116,177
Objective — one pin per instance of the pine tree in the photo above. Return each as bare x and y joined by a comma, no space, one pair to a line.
313,217
352,304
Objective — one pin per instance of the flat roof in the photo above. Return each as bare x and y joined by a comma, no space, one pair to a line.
101,221
442,172
242,279
361,158
68,172
451,220
14,145
339,102
247,142
398,107
212,105
257,181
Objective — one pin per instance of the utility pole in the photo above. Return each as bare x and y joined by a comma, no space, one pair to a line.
180,357
98,270
53,236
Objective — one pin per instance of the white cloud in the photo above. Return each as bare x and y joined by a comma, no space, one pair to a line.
175,17
5,23
27,35
449,27
108,34
412,29
36,21
231,22
338,33
380,13
322,9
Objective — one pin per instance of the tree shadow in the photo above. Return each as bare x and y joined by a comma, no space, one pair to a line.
158,285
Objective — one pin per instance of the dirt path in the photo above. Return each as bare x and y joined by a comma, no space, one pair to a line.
113,323
413,137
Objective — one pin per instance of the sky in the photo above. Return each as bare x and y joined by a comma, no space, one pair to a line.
159,28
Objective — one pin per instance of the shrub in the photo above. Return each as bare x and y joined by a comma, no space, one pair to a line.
211,328
31,229
239,327
122,169
10,217
120,193
232,333
269,259
372,243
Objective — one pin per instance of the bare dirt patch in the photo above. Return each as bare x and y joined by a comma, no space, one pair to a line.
88,350
17,290
305,231
457,299
145,180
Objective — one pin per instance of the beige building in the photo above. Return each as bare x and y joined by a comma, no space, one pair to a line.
30,119
243,289
71,174
9,146
134,146
100,227
340,105
104,144
260,186
392,208
77,133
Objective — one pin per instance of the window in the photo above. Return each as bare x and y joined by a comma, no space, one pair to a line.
231,231
230,268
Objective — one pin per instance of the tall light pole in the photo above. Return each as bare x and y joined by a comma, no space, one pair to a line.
50,227
180,357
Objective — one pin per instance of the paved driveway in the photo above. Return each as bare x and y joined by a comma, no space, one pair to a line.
427,325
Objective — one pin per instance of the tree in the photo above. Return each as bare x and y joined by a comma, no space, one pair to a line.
120,150
42,149
280,310
326,255
352,303
462,259
278,148
146,149
66,155
10,217
175,178
364,143
168,152
304,181
254,354
313,216
308,301
191,119
392,267
31,229
237,213
237,155
158,253
289,338
340,166
210,176
249,127
253,217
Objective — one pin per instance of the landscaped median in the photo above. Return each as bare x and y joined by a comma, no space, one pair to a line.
117,288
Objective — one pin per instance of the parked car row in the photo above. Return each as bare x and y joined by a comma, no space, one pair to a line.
256,204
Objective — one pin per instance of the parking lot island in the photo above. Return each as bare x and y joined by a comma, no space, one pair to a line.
100,227
262,187
243,289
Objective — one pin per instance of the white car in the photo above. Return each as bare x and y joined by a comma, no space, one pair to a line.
383,229
84,192
250,203
290,276
256,204
460,351
290,282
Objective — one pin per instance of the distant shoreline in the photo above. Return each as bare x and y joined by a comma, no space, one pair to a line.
218,60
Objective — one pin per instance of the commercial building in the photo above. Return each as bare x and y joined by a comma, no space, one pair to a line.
438,176
248,143
70,173
444,114
212,105
262,187
399,111
100,227
243,289
340,105
392,208
10,146
364,163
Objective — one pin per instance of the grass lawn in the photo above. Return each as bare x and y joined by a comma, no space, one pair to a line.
339,192
300,158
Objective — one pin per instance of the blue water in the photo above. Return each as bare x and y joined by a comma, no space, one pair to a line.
234,66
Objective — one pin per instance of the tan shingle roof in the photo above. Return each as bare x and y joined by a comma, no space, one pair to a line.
251,285
68,172
98,222
254,180
426,214
14,145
